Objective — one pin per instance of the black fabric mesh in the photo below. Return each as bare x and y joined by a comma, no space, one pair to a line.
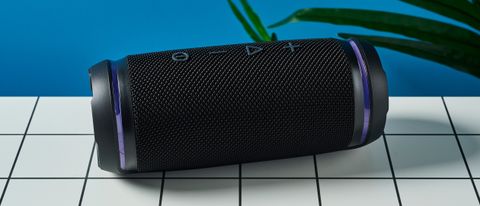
230,107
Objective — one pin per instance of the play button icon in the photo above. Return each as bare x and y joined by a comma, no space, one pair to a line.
251,50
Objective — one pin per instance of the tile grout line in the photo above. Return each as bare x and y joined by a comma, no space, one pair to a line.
47,178
79,134
18,151
49,134
461,150
392,170
240,184
317,181
244,178
86,175
160,199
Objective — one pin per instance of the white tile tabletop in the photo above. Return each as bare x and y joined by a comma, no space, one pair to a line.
471,148
9,145
279,192
15,113
465,113
200,192
360,192
54,156
43,192
426,156
46,159
122,192
292,167
368,161
445,192
62,115
417,115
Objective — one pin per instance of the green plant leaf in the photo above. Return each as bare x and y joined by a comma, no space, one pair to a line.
444,55
449,9
257,23
476,3
416,27
464,6
244,22
274,37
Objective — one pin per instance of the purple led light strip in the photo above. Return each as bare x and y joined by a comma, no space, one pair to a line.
366,90
118,115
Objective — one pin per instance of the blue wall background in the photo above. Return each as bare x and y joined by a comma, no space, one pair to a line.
47,46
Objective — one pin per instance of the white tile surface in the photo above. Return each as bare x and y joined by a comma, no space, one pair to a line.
465,113
2,183
417,115
471,149
15,113
200,192
122,192
96,171
358,192
62,115
279,192
9,147
223,171
412,156
292,167
51,192
426,156
437,192
54,156
368,161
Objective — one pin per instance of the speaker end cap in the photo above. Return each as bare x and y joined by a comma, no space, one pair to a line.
104,117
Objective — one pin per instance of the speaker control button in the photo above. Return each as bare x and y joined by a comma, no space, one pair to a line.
251,50
291,46
180,56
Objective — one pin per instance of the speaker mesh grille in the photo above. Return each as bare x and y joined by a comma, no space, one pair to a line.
231,107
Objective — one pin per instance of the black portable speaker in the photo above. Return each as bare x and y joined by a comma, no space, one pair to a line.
239,103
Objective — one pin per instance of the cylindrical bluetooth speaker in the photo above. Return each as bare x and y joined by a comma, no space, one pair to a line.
239,103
